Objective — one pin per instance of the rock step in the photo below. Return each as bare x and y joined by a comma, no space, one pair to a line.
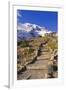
37,66
24,75
38,74
44,53
44,50
42,62
43,57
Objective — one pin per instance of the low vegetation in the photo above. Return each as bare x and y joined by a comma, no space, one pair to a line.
29,47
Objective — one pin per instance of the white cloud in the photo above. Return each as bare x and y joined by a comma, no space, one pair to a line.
18,14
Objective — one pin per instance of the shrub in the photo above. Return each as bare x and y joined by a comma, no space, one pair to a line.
31,51
23,43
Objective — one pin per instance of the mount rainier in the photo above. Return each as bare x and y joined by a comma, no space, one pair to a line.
27,31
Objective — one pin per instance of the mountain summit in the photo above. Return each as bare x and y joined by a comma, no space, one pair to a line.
28,31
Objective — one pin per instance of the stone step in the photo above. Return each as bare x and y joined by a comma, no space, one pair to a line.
42,62
24,75
45,53
38,74
43,57
44,50
37,66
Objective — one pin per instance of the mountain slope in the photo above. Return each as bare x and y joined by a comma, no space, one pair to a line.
28,31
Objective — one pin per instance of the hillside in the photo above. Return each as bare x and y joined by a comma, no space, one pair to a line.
28,52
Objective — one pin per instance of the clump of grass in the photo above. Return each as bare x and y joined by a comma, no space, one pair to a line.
23,43
53,43
31,51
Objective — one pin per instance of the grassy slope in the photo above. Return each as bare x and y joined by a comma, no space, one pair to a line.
29,47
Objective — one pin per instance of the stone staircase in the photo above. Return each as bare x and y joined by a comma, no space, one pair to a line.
38,69
41,68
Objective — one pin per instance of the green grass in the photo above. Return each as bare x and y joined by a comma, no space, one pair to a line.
35,43
53,43
31,51
23,43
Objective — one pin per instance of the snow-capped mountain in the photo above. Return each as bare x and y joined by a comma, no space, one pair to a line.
28,31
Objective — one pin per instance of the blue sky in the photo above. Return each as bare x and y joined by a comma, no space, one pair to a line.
47,19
